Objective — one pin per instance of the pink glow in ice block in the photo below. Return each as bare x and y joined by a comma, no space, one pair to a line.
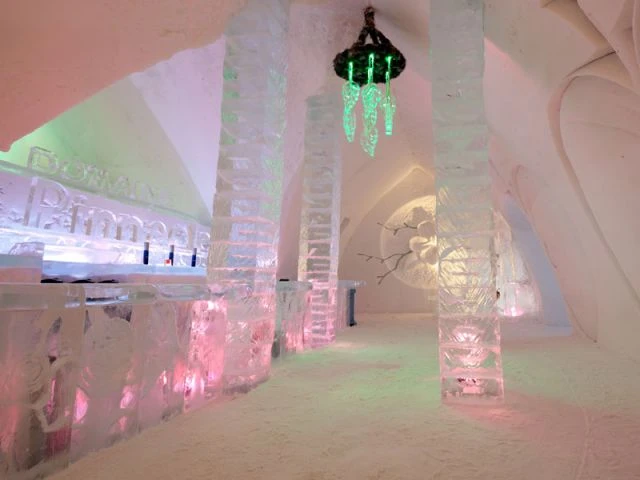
40,342
206,351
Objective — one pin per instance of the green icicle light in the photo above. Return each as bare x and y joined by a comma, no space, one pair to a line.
370,99
389,103
350,96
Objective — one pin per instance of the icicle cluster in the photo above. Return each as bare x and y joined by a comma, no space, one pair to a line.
372,98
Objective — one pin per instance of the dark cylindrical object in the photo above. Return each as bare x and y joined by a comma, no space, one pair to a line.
194,257
172,250
145,254
352,307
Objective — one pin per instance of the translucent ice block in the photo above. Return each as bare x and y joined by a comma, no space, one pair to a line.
40,342
115,347
292,316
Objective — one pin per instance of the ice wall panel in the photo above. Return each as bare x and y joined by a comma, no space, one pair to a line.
320,220
470,358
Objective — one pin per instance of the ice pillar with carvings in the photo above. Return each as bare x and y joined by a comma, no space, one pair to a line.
246,219
320,223
469,330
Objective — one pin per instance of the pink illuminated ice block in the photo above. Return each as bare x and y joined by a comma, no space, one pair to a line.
203,381
40,342
320,221
469,330
247,204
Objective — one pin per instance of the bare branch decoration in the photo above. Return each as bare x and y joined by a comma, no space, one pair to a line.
396,229
401,256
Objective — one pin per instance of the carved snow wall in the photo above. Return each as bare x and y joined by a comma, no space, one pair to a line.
320,222
247,204
469,329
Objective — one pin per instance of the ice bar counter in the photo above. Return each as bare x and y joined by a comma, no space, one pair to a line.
93,354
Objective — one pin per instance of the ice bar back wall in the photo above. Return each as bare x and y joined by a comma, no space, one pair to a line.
88,365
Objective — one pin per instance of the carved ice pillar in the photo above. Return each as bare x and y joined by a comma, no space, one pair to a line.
245,227
469,330
320,223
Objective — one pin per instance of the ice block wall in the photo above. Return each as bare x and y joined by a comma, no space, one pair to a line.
246,220
469,330
320,222
84,366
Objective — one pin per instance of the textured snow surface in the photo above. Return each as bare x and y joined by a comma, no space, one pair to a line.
369,408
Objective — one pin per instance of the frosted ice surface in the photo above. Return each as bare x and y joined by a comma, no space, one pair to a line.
470,358
320,221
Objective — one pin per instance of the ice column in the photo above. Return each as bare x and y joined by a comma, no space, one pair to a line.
244,234
320,225
470,358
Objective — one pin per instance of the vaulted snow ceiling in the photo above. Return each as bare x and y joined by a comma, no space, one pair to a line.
562,85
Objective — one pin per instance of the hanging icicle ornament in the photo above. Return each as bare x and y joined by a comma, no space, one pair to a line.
389,103
370,100
366,65
350,96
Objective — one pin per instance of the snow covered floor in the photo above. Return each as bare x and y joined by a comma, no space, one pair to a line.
369,408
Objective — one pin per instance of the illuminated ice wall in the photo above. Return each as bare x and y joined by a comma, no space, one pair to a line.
247,204
469,329
85,366
320,223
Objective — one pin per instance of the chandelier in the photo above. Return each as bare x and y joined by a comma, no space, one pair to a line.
363,66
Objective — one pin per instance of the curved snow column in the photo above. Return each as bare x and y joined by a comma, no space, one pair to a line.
469,329
247,203
598,145
521,78
320,219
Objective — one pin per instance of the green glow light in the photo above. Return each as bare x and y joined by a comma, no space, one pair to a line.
370,99
372,59
389,103
350,96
